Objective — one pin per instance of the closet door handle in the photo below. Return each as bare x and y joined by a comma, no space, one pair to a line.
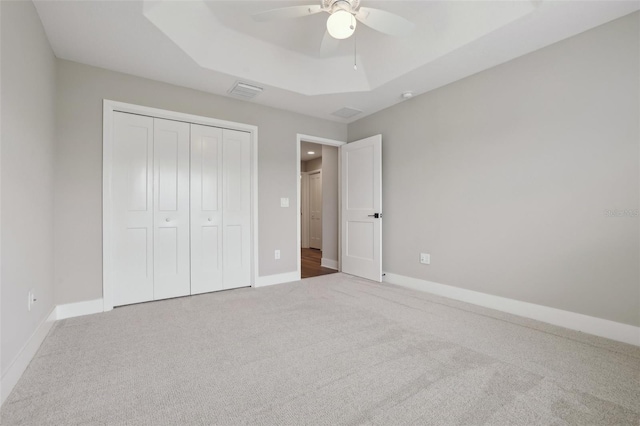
167,220
209,219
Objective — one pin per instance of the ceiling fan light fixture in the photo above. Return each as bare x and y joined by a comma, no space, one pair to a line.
341,24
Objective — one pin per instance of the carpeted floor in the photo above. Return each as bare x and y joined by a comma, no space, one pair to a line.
327,350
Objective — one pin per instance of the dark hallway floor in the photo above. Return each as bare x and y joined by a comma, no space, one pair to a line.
311,264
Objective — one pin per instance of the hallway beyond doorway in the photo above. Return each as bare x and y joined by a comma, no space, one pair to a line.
311,264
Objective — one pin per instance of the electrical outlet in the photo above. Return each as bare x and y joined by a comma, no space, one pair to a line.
277,254
425,258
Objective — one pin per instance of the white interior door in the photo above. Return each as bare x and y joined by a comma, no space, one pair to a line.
171,209
206,212
315,208
236,214
132,215
362,208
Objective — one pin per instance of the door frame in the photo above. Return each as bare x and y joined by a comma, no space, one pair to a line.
322,141
109,107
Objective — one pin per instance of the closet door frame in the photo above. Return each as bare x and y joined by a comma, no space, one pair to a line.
109,107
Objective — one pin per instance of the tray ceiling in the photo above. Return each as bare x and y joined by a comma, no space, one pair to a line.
210,45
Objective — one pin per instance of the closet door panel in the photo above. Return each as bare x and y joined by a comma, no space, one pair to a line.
171,205
206,216
132,215
208,164
236,178
210,244
233,246
166,255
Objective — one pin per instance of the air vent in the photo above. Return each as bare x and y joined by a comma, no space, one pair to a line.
346,112
245,91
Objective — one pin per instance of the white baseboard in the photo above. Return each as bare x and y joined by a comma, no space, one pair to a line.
87,307
329,263
287,277
21,361
600,327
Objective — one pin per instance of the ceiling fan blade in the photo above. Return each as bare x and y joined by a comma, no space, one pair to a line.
288,12
328,45
384,22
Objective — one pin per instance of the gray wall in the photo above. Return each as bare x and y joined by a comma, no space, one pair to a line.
78,183
329,202
28,94
504,177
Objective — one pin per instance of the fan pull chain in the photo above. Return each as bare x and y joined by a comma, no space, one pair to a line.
355,47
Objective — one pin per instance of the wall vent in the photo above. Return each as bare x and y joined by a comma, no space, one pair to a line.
245,91
346,112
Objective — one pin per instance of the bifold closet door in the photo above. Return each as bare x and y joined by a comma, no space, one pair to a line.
171,209
180,216
150,188
206,212
220,209
132,216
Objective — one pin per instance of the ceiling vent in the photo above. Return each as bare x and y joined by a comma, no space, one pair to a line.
346,112
245,91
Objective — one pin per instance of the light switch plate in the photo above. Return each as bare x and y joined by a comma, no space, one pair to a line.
284,202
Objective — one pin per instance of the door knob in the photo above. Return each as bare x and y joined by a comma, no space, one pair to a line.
209,219
376,215
167,220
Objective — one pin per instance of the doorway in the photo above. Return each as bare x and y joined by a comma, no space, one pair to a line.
318,202
359,206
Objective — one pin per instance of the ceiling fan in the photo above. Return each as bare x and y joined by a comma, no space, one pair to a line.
343,17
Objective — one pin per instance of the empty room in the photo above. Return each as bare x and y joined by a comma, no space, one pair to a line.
331,212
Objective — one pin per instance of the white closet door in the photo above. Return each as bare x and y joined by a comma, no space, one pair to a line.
315,206
132,232
206,213
171,209
236,223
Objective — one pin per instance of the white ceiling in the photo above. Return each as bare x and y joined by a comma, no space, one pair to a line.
209,45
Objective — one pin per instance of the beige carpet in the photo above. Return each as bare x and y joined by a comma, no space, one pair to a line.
327,350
